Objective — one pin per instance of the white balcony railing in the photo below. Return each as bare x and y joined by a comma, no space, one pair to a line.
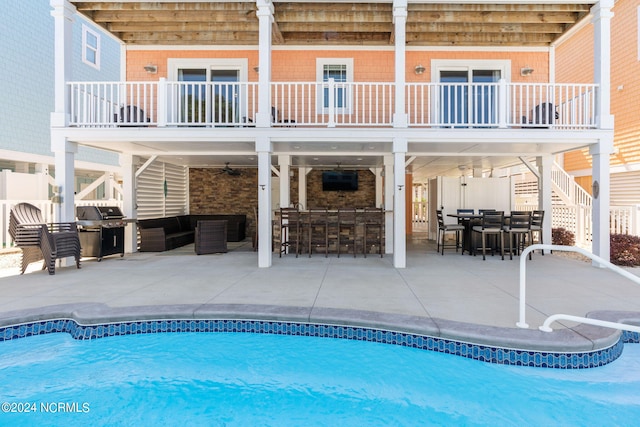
332,104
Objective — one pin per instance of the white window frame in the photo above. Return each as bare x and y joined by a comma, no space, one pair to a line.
85,46
320,63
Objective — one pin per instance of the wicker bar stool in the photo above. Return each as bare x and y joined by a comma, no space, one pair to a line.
373,225
318,229
347,219
289,230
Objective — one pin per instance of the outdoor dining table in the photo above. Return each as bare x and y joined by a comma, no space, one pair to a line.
468,220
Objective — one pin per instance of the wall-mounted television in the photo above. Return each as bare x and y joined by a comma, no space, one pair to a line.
339,181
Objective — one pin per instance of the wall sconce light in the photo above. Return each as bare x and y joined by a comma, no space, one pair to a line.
419,69
151,69
526,71
262,186
256,69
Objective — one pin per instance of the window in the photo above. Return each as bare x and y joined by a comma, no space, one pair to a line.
468,92
90,47
341,71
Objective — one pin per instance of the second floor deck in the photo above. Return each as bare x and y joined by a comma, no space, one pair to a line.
502,104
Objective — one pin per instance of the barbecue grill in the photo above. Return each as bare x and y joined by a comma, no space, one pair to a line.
101,230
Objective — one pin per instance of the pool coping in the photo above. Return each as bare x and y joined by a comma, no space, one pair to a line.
579,339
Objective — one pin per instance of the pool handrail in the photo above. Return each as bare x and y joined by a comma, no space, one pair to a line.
596,322
523,258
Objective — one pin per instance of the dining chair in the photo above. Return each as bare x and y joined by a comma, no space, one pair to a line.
443,229
347,220
318,229
519,229
492,225
373,224
464,212
289,230
537,217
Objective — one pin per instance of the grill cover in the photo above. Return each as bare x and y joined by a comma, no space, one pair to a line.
98,213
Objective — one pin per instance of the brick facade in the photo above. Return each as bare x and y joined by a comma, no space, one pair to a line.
213,192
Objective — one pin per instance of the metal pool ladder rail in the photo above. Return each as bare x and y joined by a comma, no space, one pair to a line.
603,263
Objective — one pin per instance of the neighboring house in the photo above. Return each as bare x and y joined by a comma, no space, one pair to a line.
399,91
27,88
575,63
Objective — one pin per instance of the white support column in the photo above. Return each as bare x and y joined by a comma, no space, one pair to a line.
545,164
264,149
265,22
378,172
63,15
400,22
602,15
64,152
388,203
601,193
400,146
129,200
302,186
284,161
601,151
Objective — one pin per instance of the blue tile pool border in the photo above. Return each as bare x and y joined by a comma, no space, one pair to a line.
483,353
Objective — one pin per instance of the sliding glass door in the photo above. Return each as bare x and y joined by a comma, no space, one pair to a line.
209,95
468,97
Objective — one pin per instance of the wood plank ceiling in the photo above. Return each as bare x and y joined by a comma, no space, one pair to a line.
337,23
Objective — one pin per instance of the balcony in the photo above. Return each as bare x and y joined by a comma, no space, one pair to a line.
333,104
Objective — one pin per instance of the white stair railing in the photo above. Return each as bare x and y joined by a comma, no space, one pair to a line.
568,189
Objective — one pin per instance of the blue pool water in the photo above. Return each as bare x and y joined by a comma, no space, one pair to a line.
235,379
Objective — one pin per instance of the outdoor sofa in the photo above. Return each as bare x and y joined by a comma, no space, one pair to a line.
163,234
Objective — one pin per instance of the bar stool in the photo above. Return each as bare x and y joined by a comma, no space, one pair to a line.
318,229
347,228
289,230
519,227
492,224
443,229
374,221
537,218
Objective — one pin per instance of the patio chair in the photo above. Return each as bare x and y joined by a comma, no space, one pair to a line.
40,241
443,229
492,225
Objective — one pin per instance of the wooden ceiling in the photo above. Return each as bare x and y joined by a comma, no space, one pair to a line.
518,23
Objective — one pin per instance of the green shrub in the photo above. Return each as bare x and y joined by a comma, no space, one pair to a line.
625,250
562,236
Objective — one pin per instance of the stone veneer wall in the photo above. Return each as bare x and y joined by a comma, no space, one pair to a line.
212,192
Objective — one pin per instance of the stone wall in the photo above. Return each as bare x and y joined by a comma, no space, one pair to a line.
212,192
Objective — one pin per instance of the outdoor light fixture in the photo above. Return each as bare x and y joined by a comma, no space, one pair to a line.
256,69
419,69
526,71
151,69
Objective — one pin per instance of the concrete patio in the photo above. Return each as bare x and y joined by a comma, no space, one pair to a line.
452,296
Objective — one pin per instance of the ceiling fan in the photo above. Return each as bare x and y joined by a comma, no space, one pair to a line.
229,171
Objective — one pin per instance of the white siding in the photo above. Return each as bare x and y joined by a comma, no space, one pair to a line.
151,199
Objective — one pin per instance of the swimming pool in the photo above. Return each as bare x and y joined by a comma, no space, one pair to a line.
260,379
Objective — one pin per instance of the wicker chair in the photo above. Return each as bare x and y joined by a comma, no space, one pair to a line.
40,241
211,237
